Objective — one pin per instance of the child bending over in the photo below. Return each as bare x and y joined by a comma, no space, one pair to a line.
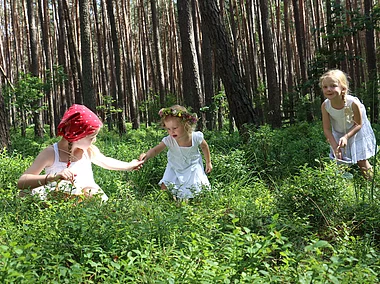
345,123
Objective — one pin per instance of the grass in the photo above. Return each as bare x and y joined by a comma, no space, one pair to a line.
278,212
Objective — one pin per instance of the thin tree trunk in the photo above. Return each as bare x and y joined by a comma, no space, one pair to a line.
34,66
208,80
372,87
157,48
116,53
130,70
45,25
4,124
270,64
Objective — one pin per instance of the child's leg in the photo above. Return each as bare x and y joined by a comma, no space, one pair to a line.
163,186
366,169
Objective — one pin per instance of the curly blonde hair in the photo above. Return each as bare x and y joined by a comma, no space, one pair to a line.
189,120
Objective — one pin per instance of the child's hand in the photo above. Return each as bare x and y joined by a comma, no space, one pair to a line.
137,164
142,156
208,168
343,141
66,174
338,153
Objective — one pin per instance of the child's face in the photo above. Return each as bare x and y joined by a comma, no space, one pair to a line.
87,141
331,88
175,128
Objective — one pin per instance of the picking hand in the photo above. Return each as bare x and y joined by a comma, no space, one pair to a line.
66,174
343,141
338,153
142,157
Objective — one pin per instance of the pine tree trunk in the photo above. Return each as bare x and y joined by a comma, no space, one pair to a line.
34,66
89,97
4,125
192,91
274,97
240,105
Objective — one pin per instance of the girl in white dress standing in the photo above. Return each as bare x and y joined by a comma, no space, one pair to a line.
345,123
184,175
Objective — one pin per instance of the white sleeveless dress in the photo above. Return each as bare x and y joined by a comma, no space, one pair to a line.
84,178
362,145
184,174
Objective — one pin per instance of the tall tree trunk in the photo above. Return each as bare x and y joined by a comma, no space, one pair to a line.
192,91
34,66
274,97
208,80
157,48
4,124
300,39
73,68
130,71
289,60
372,87
100,51
45,24
89,97
116,53
240,105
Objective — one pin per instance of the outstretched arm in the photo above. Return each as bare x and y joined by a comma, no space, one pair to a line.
109,163
152,152
206,154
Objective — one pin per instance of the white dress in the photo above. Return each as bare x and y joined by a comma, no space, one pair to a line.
362,145
84,178
184,174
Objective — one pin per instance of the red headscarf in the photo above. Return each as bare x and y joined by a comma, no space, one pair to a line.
77,123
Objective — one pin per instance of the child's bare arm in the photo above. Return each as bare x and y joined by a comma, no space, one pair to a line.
153,152
206,153
109,163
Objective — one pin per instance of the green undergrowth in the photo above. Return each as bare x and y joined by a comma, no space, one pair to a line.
278,212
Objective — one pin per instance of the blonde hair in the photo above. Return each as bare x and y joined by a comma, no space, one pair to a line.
342,79
188,120
338,75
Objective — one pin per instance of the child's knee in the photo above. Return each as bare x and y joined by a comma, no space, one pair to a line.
366,169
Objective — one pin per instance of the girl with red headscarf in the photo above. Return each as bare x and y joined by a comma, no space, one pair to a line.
68,163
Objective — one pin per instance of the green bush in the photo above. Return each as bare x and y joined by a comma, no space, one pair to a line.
276,213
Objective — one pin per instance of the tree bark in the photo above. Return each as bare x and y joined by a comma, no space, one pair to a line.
192,91
372,86
4,125
45,24
208,80
240,105
157,48
89,97
116,53
34,66
274,96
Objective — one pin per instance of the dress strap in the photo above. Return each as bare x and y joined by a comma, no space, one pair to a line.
56,152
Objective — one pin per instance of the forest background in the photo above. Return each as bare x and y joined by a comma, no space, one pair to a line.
253,62
280,211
